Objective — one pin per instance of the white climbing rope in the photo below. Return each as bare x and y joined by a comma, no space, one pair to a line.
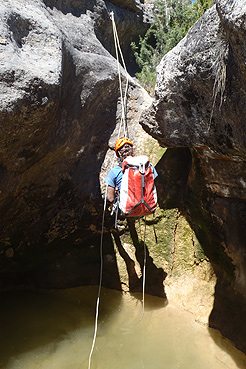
100,279
123,121
123,99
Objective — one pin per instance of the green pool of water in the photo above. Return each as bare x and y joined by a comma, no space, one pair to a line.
54,330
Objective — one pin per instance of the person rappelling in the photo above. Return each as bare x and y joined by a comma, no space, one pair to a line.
130,186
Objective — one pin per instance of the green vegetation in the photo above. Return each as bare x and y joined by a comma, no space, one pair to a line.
172,20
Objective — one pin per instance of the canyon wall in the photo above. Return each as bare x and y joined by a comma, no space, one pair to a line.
60,112
199,104
60,106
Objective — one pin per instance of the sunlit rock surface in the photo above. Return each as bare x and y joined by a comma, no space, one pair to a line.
200,103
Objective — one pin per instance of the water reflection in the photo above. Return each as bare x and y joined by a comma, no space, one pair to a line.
45,330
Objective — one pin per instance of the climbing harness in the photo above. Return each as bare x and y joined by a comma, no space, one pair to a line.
115,208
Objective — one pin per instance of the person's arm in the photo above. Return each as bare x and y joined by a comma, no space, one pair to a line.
111,181
111,194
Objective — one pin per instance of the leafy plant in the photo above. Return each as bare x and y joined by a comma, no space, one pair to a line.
172,20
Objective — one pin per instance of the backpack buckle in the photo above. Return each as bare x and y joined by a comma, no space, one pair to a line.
142,168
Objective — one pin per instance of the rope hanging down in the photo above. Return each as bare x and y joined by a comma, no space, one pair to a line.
100,282
123,99
123,121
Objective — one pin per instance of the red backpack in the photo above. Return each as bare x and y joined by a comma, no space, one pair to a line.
138,195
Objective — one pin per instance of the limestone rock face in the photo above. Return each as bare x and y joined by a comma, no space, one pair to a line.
200,91
200,103
60,105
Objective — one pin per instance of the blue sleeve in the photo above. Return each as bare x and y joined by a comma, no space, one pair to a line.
154,171
114,177
110,179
